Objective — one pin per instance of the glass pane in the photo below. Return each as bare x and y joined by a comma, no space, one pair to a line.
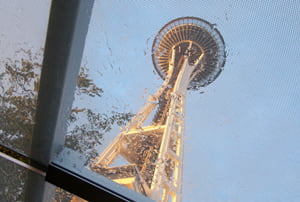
62,195
22,37
241,131
12,181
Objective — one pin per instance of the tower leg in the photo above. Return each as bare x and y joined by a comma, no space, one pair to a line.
153,154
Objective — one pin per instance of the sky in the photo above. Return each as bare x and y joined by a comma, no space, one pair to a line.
243,133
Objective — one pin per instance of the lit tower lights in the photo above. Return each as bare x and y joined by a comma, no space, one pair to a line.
188,53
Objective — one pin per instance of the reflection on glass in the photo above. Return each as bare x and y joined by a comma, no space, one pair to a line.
229,125
22,37
62,195
87,126
12,181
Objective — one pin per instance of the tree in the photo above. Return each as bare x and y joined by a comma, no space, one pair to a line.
19,87
86,136
19,84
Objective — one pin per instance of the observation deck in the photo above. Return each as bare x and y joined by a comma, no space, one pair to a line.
206,40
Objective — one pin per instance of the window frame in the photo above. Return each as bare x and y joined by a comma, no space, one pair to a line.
66,34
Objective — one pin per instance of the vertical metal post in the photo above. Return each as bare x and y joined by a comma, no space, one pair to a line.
67,29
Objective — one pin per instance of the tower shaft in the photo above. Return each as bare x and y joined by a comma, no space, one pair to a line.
152,156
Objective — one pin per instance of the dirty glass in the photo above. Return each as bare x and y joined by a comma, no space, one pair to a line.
13,181
62,195
22,37
241,140
13,178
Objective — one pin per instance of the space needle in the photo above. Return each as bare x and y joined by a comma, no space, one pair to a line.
188,53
